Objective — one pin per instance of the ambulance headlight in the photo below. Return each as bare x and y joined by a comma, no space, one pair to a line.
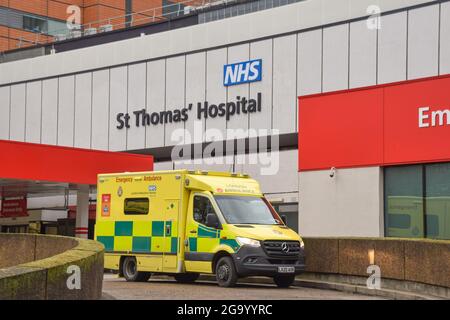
248,242
302,244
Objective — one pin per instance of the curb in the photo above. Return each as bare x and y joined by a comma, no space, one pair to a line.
107,296
351,288
344,287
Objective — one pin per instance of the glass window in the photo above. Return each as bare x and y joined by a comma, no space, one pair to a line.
172,9
221,13
202,207
417,201
234,11
247,210
403,201
34,24
136,206
57,27
437,200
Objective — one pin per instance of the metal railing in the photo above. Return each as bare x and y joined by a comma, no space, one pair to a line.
148,16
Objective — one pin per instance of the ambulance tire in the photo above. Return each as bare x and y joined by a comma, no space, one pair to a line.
226,273
186,277
129,269
284,281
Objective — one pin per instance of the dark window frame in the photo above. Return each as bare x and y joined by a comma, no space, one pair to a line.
193,204
28,18
135,213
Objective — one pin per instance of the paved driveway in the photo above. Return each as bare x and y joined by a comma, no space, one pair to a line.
168,289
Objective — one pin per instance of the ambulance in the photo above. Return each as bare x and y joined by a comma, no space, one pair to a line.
186,223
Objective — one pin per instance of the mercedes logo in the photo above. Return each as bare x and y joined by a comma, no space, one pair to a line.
285,247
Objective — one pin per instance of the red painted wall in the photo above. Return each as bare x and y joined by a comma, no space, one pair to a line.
374,126
28,161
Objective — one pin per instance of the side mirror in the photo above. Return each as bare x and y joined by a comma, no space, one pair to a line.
284,218
212,221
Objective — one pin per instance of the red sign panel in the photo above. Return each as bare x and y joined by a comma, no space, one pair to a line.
401,123
106,205
14,208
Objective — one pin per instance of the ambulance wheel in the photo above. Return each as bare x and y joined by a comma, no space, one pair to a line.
284,281
130,272
226,273
186,277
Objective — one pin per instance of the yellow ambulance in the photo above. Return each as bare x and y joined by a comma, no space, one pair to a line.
186,223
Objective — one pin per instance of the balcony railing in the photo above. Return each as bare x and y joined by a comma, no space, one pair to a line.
149,16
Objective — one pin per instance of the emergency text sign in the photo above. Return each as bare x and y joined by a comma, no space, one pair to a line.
14,208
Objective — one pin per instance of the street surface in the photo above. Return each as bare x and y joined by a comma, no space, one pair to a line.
168,289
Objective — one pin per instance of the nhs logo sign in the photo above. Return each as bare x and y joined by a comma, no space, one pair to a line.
242,72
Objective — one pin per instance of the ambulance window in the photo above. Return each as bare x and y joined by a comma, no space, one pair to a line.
136,206
202,207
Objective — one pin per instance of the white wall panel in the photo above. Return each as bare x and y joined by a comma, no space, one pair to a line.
309,62
392,48
423,38
216,92
335,58
175,94
348,205
49,111
18,112
4,112
137,78
100,110
285,84
276,172
156,100
445,39
34,108
262,120
363,55
219,163
66,110
118,104
162,166
195,93
236,54
83,110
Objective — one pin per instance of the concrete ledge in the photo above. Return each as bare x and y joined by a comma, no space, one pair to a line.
414,260
390,288
43,272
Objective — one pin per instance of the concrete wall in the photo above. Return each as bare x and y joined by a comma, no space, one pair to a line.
42,269
349,204
417,261
30,249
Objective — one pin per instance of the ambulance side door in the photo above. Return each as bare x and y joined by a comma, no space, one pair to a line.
200,239
171,235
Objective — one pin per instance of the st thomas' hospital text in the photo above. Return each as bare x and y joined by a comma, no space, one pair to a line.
205,110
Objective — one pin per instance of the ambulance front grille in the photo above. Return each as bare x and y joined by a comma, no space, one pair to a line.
281,249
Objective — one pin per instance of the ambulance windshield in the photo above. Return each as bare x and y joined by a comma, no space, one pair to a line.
247,210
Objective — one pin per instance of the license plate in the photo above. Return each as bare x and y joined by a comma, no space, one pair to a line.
286,269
